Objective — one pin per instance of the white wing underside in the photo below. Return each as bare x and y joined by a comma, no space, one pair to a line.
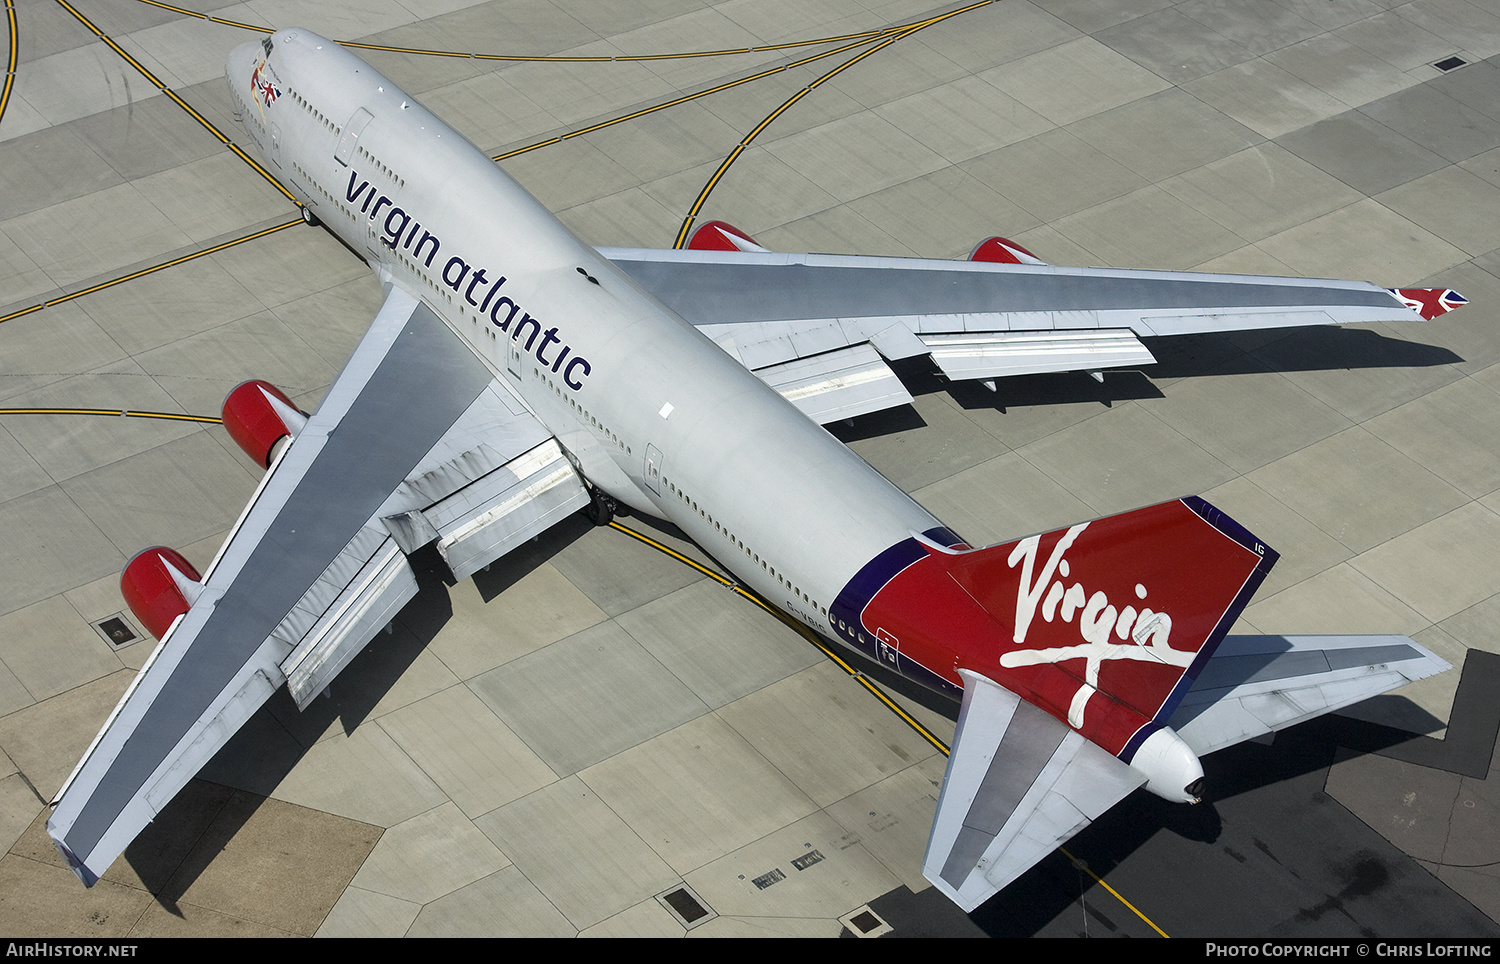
316,565
820,328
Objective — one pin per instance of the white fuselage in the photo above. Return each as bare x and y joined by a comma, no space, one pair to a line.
651,411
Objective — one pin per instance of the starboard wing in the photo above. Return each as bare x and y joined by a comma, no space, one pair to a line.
415,442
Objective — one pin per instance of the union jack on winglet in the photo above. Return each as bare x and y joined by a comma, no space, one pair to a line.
1430,302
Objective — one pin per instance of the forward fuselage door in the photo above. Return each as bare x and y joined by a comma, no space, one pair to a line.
349,140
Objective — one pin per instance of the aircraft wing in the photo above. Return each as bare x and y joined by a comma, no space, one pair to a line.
415,442
1019,783
1255,685
819,328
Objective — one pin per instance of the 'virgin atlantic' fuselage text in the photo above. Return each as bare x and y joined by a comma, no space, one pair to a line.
399,231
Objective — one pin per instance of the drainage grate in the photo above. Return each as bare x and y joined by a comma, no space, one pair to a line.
765,880
807,860
864,922
1452,63
685,906
116,631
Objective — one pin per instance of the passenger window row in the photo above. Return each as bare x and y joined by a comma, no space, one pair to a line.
740,546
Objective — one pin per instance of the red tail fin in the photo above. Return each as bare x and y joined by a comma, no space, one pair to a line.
1104,624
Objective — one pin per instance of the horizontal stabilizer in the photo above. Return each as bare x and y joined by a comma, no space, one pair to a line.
1019,782
1255,685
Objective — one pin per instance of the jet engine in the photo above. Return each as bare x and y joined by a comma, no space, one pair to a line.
1003,251
722,236
159,585
258,416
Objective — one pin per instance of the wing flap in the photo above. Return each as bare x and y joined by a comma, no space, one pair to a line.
493,480
371,600
996,354
329,585
837,384
1019,782
493,431
1256,685
522,499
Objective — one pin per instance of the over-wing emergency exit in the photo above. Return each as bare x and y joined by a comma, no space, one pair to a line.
515,375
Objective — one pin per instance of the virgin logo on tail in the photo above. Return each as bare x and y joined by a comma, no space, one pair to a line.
1099,615
1148,631
1029,592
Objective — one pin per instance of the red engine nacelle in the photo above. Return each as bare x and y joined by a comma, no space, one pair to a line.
1003,251
153,593
258,415
722,236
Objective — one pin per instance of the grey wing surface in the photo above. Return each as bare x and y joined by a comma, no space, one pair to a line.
415,442
819,328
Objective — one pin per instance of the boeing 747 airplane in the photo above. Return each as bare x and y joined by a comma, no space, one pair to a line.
516,375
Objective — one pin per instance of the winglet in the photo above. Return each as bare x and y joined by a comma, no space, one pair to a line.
1003,251
79,868
1429,302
